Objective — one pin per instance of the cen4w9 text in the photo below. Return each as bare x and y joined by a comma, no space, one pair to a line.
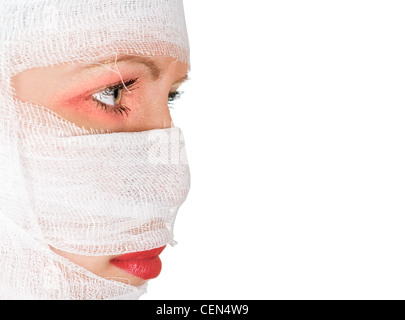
223,309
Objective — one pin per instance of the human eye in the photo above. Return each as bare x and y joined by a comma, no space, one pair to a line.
173,96
109,99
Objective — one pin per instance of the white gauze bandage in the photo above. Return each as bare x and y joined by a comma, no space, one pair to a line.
82,191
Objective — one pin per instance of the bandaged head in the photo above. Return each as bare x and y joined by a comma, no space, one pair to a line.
76,189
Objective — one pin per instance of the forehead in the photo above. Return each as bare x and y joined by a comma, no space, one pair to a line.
156,66
39,33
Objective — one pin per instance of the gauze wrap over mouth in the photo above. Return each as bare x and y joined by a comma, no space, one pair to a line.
104,193
80,191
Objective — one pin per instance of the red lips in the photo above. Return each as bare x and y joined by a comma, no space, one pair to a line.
143,264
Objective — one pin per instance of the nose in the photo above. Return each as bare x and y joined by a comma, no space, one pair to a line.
152,112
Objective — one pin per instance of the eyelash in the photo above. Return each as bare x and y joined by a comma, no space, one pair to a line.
121,109
129,85
172,97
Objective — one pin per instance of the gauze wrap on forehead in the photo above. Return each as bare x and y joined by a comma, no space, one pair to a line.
82,191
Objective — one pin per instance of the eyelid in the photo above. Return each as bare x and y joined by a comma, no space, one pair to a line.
180,81
87,95
121,85
119,108
128,85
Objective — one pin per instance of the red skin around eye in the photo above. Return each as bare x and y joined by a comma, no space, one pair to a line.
79,107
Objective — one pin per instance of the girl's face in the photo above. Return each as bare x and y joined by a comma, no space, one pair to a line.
124,93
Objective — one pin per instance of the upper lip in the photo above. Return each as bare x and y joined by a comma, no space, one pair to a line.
140,255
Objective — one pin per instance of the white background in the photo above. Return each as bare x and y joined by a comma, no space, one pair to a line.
295,125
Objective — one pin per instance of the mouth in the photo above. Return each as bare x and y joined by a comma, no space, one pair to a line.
144,264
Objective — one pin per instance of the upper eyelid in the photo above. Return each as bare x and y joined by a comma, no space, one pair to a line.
181,81
89,93
118,85
124,84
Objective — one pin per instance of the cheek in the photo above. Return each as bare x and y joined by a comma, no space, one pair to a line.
94,264
101,266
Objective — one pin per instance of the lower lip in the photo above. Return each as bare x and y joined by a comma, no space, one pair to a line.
144,264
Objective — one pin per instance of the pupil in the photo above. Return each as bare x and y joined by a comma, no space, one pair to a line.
116,93
117,96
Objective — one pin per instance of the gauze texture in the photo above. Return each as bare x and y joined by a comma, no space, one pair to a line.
83,191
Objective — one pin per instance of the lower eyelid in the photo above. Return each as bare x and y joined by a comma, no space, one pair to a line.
117,110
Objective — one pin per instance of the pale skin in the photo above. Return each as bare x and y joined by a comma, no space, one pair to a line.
91,95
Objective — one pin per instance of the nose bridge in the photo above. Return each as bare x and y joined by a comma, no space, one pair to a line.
153,111
155,115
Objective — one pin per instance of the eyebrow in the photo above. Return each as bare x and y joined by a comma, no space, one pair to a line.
154,69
